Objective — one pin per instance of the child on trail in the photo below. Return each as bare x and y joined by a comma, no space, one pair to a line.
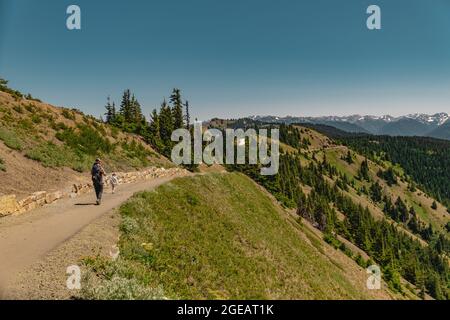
114,181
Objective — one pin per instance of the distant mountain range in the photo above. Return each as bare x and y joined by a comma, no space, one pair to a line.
419,124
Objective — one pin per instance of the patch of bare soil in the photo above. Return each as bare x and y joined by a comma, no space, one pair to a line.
46,279
203,168
24,176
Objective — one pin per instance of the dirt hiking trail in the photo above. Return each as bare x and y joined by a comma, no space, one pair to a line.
27,238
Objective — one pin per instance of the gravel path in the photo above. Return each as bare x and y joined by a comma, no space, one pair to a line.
36,248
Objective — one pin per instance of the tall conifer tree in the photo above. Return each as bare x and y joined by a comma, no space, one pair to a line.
177,108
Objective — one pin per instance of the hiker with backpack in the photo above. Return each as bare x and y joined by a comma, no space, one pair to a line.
98,173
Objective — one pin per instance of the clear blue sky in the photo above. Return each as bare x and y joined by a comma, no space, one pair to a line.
233,58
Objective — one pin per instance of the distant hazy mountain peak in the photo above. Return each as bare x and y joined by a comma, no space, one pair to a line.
419,124
437,118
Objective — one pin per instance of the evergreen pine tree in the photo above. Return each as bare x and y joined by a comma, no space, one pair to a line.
363,172
110,111
177,109
349,158
126,107
187,116
136,111
113,111
376,192
434,205
154,130
166,126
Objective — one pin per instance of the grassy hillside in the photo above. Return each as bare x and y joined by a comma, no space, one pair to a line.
321,148
41,143
417,199
220,236
373,205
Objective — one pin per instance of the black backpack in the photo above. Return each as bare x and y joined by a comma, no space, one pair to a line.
96,173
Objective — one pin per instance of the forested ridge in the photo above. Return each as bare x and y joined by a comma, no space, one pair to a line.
398,253
425,159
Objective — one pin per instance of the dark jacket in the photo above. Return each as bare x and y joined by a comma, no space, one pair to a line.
97,173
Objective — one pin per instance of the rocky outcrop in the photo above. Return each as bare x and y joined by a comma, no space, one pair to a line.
9,204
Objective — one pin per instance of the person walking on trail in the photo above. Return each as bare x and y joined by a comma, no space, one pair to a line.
98,173
114,180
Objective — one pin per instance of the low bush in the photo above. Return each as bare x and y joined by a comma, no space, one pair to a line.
2,165
137,151
11,139
106,284
86,140
36,118
30,107
18,109
68,114
58,125
25,124
51,155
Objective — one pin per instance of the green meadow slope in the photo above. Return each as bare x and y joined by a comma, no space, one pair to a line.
221,236
43,147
